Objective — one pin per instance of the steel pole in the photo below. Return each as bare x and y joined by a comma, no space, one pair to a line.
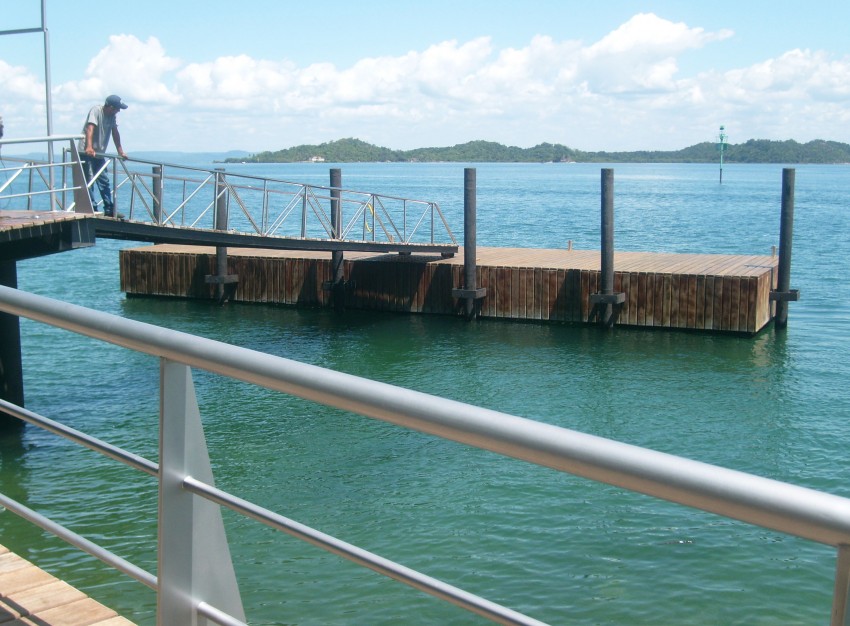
786,229
337,258
11,367
157,194
607,228
48,99
220,224
469,235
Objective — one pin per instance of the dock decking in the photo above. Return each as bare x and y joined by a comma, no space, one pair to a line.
28,234
713,292
30,596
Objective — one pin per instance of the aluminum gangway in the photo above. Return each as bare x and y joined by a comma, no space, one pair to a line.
173,203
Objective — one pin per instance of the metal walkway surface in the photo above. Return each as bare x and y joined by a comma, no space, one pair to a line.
29,234
110,228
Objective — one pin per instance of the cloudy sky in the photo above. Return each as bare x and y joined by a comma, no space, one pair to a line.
211,75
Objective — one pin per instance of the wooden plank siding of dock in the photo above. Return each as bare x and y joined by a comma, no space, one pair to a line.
32,597
710,292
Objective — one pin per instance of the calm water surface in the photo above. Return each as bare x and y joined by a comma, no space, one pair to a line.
559,548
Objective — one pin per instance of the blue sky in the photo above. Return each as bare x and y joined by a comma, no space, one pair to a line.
256,75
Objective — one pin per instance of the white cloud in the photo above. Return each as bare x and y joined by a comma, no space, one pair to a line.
797,74
648,34
640,55
132,68
22,100
235,82
801,94
18,82
624,91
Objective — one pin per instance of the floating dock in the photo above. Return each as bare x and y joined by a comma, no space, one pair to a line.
707,292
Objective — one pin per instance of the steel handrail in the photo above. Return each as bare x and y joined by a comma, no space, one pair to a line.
236,182
791,509
413,578
50,187
786,508
364,558
783,507
41,139
80,542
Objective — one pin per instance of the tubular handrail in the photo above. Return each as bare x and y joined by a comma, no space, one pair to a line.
315,197
791,509
56,192
40,139
417,580
76,540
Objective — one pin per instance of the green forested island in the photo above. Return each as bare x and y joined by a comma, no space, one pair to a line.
753,151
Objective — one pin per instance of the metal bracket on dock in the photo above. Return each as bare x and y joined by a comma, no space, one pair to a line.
475,294
221,280
608,298
792,295
328,285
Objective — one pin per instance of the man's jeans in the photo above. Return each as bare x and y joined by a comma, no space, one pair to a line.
90,166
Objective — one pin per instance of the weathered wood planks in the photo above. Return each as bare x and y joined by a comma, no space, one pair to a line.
29,595
728,293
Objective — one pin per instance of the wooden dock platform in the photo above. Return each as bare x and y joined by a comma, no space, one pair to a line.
32,597
710,292
29,234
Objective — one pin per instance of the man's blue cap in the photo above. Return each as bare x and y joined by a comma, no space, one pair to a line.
115,102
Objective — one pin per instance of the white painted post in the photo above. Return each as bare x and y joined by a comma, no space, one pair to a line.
194,559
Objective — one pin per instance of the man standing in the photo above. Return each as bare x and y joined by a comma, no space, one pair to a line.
100,125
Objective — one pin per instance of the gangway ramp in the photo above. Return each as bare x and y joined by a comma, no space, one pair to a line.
188,205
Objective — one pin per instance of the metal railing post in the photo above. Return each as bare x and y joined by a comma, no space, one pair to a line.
303,211
265,218
221,278
194,558
64,202
157,193
114,163
337,257
29,186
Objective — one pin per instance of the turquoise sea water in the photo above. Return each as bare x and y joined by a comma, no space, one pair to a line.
561,549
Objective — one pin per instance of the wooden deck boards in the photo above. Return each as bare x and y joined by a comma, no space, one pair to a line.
717,292
32,597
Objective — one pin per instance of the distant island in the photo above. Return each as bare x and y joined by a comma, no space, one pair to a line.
753,151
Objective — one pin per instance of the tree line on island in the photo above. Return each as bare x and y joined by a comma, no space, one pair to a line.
752,151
